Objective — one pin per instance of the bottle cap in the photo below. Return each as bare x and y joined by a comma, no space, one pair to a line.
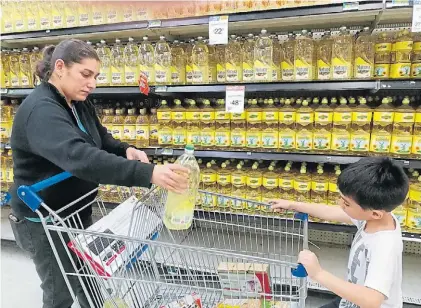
189,147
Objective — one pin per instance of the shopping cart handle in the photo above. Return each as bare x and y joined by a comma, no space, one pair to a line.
28,194
299,271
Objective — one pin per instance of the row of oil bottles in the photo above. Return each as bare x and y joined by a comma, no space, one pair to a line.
31,15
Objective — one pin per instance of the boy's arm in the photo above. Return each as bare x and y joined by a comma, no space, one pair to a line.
322,211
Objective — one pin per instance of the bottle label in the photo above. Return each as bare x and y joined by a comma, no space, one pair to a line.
165,136
401,215
254,139
323,70
302,186
97,17
233,72
416,70
220,72
238,204
303,70
57,21
223,179
362,117
416,145
287,116
199,74
20,25
276,72
363,69
304,140
209,178
129,132
194,137
382,47
103,77
319,186
323,117
415,195
360,141
32,23
14,80
384,117
341,69
207,115
189,73
162,74
322,140
238,139
342,117
192,115
179,137
118,132
286,184
178,115
5,130
212,74
254,182
253,116
222,138
207,138
404,46
333,187
127,14
401,144
238,180
270,182
287,140
109,128
112,16
382,70
44,22
24,80
380,144
175,75
248,72
305,118
130,75
262,71
148,72
208,201
222,115
270,116
270,140
287,71
400,70
10,175
401,117
83,19
414,219
116,76
418,117
142,132
340,141
238,116
164,115
254,206
416,46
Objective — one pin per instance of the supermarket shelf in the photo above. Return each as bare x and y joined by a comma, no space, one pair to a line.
400,85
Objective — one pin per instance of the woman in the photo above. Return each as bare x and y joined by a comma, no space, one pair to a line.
56,129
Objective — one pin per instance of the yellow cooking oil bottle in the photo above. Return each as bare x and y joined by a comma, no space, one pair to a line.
360,128
178,64
286,183
322,136
263,51
342,55
254,124
193,124
324,57
153,128
276,58
416,57
209,184
270,189
238,130
304,128
287,116
254,189
213,60
142,129
364,55
302,185
98,13
107,120
84,13
71,14
222,126
319,188
200,62
233,60
6,122
342,118
189,60
131,62
416,141
117,64
333,192
304,57
45,14
129,129
162,62
15,81
178,123
165,127
224,186
25,69
104,54
32,16
381,134
382,56
118,124
207,126
401,62
288,58
58,17
220,63
414,205
248,58
239,181
270,127
147,60
5,69
403,125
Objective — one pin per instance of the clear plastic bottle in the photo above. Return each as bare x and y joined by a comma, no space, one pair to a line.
416,57
322,136
304,128
193,124
287,116
238,180
254,189
153,128
364,55
213,59
25,69
248,58
104,54
381,133
401,62
178,118
147,60
342,55
416,141
288,58
403,124
129,130
302,185
165,128
224,186
118,124
209,185
131,61
207,126
270,127
107,120
286,183
342,118
270,188
189,61
117,64
220,63
304,57
276,58
223,126
263,54
5,68
360,128
233,60
6,121
179,208
15,81
333,193
142,129
254,126
162,62
200,62
319,186
382,56
324,57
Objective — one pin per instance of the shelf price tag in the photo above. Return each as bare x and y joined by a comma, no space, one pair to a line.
416,16
350,6
218,30
168,152
160,89
3,91
154,23
234,98
396,3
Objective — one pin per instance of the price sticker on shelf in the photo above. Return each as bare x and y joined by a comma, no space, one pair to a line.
3,91
234,99
351,6
218,30
416,16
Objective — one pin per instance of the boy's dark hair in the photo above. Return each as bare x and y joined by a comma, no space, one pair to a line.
375,183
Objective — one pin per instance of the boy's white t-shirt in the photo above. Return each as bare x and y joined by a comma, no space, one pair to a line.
375,261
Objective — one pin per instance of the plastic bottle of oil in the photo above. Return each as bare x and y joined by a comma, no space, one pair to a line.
302,185
263,53
213,60
254,126
142,129
270,127
360,128
5,69
107,120
233,60
276,58
179,208
248,58
223,126
98,13
364,55
207,126
254,189
200,62
45,15
342,55
147,60
270,188
324,57
220,63
288,58
15,81
322,136
304,128
304,57
414,209
224,186
189,61
165,128
104,54
25,69
403,124
6,121
209,184
401,63
178,118
32,16
239,180
193,124
131,69
9,168
416,57
118,124
287,116
153,128
319,186
416,141
286,183
333,193
381,133
382,57
162,62
129,130
117,64
238,130
342,118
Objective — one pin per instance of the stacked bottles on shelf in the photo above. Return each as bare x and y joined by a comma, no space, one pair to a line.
8,110
309,125
6,171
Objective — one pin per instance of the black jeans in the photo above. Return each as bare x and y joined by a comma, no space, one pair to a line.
31,237
333,304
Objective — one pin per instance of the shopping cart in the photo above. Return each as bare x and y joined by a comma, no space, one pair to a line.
226,259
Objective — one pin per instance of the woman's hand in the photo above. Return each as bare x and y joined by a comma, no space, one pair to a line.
172,177
135,154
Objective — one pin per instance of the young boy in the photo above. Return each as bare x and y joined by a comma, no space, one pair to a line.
370,189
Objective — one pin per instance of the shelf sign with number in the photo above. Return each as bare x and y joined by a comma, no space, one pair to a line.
235,99
350,6
416,16
3,91
218,30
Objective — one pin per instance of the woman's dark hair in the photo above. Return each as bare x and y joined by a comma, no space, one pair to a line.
70,51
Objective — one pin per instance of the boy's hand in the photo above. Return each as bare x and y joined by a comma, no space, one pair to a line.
310,262
279,205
